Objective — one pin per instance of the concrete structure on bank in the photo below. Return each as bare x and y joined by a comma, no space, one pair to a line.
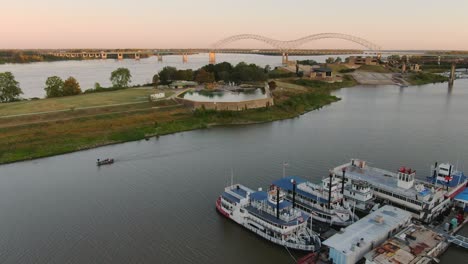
413,245
359,60
157,96
351,244
325,75
230,106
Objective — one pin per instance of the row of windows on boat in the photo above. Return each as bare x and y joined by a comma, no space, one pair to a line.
418,203
242,210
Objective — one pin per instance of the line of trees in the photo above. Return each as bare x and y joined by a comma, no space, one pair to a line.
224,71
56,87
10,90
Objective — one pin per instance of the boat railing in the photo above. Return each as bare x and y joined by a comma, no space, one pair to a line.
240,197
279,241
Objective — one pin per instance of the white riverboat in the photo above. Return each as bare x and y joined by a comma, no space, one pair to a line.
325,202
425,199
359,194
268,215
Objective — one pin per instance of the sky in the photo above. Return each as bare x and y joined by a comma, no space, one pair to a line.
391,24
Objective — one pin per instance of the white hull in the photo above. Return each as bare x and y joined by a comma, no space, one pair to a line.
257,226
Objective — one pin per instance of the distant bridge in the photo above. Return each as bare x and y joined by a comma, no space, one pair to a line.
279,47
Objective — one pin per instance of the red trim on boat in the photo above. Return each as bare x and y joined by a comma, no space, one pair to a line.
220,209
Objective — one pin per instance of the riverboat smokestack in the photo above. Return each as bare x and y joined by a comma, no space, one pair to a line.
434,175
294,193
277,202
329,190
449,175
342,186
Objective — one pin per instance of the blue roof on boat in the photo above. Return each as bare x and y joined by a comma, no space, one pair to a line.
259,196
285,184
272,218
457,177
240,191
263,196
463,196
229,197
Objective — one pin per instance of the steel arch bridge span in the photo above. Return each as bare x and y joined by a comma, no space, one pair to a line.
278,44
365,43
292,44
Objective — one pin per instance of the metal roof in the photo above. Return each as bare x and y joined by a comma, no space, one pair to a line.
463,196
285,184
368,229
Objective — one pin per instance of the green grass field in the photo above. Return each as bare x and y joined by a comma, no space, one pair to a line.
131,95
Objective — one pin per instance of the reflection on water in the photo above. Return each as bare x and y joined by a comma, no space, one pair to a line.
225,96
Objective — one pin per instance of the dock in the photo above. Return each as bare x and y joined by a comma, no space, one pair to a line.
459,240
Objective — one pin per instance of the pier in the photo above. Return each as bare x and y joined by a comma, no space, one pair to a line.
459,240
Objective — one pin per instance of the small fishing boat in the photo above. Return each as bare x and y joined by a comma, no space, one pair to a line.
104,162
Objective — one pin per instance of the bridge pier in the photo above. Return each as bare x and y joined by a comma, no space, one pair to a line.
120,56
137,56
184,58
284,58
160,57
212,57
452,74
103,55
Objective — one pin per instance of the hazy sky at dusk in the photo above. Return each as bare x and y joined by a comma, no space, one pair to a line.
393,24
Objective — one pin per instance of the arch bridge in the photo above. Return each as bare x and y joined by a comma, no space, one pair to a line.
289,45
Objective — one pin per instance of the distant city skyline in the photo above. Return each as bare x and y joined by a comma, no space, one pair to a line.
397,24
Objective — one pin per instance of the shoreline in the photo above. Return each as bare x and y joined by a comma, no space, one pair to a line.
156,135
134,125
25,139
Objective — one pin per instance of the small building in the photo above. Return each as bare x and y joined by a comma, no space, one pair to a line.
324,74
413,245
351,244
415,68
359,60
157,96
182,84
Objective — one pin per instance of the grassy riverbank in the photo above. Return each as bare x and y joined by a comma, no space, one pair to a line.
46,134
421,78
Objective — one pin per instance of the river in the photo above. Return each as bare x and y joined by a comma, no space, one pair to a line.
156,203
32,76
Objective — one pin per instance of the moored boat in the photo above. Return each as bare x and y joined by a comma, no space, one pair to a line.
268,215
325,202
104,162
425,199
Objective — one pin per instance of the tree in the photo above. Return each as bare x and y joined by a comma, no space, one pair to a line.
97,86
155,80
272,85
9,87
267,68
54,87
121,78
71,87
184,75
338,60
167,74
203,76
330,60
